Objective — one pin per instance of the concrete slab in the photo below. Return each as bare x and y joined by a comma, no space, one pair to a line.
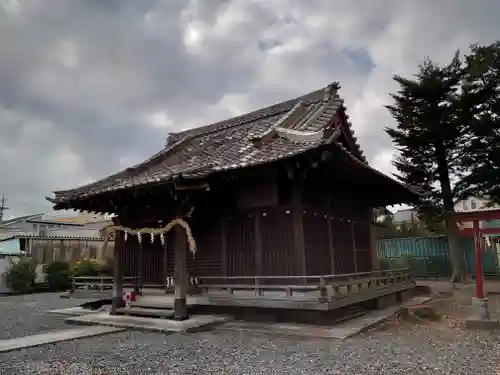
468,286
341,331
165,301
75,311
194,324
147,313
482,324
53,337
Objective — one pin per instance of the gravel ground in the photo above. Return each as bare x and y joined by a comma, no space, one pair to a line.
398,348
400,351
25,315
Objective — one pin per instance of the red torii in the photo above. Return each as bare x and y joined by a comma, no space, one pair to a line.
475,217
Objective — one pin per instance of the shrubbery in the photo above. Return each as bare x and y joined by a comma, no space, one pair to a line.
88,267
58,275
21,275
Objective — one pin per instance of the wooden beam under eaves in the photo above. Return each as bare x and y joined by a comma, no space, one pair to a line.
181,186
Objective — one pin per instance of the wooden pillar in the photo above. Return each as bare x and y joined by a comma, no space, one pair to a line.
118,271
331,248
181,277
354,253
258,244
223,247
165,264
140,267
298,227
373,248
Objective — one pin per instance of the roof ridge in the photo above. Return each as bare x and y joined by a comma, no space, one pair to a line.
261,113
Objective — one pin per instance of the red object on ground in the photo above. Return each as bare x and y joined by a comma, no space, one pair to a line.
129,296
479,265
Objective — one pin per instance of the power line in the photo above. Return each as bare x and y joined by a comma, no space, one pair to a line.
2,208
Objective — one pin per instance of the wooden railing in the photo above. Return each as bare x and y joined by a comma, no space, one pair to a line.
170,283
102,283
324,287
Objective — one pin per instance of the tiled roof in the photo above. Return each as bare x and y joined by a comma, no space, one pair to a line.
19,218
266,135
82,219
51,237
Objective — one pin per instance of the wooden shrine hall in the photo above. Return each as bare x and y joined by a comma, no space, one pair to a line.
276,200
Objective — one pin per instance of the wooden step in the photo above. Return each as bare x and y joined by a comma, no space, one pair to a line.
149,313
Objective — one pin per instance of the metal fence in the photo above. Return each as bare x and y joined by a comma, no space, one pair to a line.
429,256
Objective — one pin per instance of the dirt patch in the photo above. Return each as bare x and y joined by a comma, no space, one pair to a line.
441,316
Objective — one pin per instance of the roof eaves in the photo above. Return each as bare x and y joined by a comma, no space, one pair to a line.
411,189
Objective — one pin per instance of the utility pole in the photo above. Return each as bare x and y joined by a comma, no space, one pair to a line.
2,208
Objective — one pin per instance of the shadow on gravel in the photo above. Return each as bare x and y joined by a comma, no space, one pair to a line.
96,305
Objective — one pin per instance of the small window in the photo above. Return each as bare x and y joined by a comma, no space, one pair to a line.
465,206
472,205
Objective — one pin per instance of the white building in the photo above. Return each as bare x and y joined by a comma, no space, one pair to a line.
474,204
409,215
42,225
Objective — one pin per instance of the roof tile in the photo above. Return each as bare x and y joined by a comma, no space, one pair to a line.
230,144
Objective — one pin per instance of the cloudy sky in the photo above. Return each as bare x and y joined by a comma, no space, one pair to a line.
91,86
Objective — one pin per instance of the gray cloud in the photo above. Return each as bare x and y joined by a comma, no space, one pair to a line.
88,87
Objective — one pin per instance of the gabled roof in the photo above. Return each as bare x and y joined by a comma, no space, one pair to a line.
269,134
18,219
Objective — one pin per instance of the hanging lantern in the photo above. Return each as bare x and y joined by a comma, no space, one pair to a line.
152,237
125,236
139,237
162,238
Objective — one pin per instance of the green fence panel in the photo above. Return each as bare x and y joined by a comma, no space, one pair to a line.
490,257
491,224
429,256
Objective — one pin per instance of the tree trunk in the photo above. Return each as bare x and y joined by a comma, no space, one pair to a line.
456,254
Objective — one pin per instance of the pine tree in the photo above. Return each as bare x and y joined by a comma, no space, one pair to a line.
481,95
427,135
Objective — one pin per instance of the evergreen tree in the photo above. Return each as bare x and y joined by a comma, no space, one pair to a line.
481,95
427,136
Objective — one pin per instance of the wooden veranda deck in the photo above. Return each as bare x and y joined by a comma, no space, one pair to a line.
318,299
324,293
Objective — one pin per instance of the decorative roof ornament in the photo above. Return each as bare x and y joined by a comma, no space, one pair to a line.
331,92
172,138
